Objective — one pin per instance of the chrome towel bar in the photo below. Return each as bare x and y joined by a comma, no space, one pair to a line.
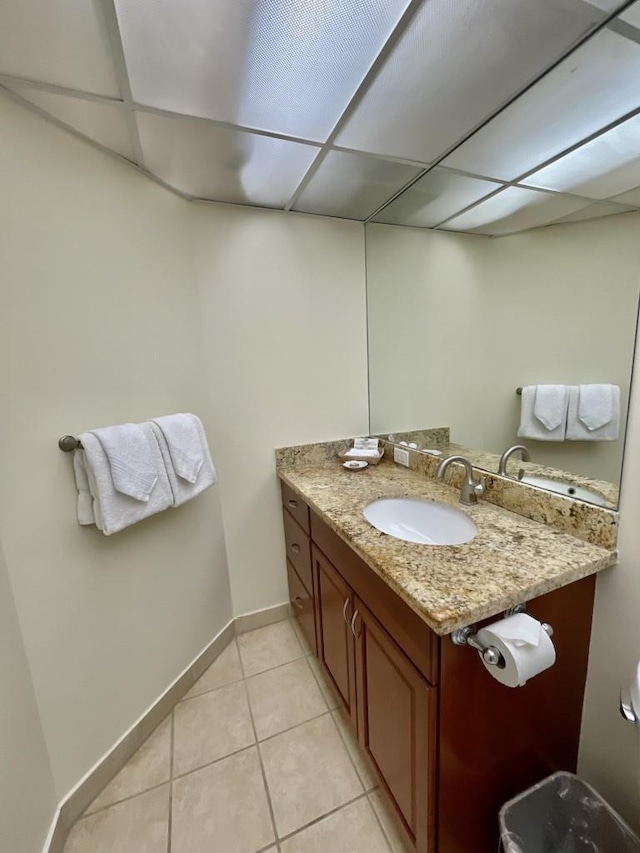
68,443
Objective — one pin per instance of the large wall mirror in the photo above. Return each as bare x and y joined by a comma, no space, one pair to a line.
458,323
514,260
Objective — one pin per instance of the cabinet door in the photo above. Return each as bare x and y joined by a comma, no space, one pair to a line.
396,725
334,609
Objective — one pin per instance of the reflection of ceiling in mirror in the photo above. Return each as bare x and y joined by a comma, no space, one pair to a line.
494,117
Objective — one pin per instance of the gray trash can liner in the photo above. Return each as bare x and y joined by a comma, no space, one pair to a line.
562,814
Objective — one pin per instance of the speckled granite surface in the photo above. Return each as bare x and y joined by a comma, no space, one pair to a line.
511,559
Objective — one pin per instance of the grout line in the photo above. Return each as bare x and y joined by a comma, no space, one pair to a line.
262,770
85,816
171,742
323,816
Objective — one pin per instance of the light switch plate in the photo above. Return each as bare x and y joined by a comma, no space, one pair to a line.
401,456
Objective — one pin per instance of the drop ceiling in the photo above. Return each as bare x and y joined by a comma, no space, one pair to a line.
485,118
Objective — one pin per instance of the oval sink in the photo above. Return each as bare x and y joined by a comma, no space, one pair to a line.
416,520
562,487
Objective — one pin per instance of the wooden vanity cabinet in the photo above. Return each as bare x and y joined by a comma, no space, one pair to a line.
448,743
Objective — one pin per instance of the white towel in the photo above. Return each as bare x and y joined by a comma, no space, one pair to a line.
112,509
543,413
594,413
132,459
184,448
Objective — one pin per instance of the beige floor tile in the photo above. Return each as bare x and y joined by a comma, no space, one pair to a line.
306,648
138,825
224,670
389,823
211,726
222,807
357,756
308,773
326,687
283,697
351,829
267,647
148,767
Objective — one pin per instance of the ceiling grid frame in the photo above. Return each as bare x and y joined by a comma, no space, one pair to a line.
610,20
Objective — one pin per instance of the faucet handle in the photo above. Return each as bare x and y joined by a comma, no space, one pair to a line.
478,487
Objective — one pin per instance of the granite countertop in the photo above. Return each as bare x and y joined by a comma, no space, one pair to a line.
512,559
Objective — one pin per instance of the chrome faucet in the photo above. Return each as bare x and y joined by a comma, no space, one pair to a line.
506,456
471,489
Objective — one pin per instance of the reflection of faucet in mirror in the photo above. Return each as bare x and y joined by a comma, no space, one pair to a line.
471,489
517,448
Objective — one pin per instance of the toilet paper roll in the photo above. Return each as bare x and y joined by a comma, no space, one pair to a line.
525,646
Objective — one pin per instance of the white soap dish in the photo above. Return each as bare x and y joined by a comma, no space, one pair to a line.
355,465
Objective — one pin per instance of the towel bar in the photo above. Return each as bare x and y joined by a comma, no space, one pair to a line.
69,443
519,391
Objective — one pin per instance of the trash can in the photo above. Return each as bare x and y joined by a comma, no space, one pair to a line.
562,814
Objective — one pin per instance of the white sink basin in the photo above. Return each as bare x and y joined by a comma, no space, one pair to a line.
562,487
416,520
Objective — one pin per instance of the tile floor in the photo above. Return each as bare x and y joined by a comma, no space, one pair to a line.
256,757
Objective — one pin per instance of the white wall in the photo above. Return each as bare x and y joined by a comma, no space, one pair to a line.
283,308
27,794
609,749
457,323
426,350
100,324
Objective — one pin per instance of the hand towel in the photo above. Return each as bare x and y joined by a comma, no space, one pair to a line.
112,509
552,406
132,459
594,413
85,499
182,488
182,434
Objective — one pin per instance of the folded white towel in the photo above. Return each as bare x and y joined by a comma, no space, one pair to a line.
365,453
594,413
112,509
132,459
543,413
184,448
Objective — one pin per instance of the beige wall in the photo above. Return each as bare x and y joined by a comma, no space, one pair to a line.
283,308
560,305
27,794
457,323
424,296
609,748
100,324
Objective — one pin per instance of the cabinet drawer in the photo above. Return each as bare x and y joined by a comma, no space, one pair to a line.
296,506
298,548
302,605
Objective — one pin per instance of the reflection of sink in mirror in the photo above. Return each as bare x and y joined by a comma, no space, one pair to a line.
568,489
421,521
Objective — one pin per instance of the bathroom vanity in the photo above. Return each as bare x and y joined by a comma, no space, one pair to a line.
448,743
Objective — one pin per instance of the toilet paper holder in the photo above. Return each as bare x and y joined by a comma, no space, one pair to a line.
468,637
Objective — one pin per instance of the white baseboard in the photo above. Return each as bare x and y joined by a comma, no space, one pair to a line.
106,767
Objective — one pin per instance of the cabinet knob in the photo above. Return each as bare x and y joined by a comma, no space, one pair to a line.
297,603
295,548
293,504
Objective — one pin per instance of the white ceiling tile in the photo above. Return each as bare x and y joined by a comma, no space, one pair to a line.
599,81
435,197
102,123
63,42
514,209
602,168
288,66
353,185
205,161
594,211
631,197
456,64
632,15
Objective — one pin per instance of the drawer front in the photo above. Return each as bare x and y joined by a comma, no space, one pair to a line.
296,506
298,546
302,607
